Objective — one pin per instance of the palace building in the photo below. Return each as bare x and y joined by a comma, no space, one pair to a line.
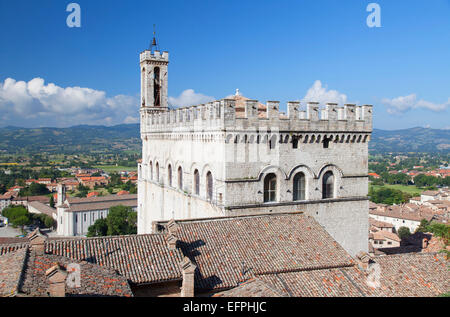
237,156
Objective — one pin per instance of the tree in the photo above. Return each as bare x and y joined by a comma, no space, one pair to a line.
423,227
52,202
403,232
120,220
35,189
17,215
98,229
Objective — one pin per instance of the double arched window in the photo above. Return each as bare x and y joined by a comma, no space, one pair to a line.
196,182
270,187
299,186
328,185
209,186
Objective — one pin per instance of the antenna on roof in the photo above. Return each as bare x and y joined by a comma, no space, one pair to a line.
154,45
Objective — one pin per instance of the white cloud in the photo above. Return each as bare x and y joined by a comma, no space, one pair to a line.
404,103
188,98
131,119
320,94
35,103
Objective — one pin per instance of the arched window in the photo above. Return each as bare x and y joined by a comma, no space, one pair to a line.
209,186
196,182
328,185
299,186
180,178
151,170
169,174
270,187
157,172
156,87
143,87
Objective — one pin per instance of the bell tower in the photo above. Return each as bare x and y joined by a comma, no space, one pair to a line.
154,82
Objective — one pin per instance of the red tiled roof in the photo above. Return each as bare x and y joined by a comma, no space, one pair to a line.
139,258
223,248
380,224
406,275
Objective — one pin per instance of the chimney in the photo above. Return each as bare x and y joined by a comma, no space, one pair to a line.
363,259
172,242
37,241
172,226
56,276
61,197
188,269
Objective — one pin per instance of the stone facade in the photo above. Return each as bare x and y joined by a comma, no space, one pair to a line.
213,160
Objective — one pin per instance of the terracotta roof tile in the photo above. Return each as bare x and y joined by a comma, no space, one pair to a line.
232,250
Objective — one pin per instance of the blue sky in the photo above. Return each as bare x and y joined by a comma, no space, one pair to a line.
270,50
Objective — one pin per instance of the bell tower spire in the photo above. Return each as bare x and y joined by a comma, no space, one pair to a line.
154,79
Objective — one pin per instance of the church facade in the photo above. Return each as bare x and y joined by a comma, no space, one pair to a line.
237,157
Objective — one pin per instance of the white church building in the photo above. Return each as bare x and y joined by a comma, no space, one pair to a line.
237,157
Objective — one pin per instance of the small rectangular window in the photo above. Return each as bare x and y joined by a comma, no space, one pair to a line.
294,143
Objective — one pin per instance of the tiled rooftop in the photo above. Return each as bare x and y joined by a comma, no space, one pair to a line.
94,280
400,276
139,258
232,250
11,265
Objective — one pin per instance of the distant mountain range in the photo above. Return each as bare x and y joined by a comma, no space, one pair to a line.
410,140
85,138
72,140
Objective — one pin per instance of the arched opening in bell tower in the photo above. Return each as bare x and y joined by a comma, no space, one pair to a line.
157,87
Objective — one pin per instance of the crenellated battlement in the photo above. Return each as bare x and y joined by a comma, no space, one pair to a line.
223,114
154,56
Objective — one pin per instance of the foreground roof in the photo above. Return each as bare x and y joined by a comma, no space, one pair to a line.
403,275
140,258
22,273
231,250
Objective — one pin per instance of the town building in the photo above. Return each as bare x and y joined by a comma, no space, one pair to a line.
36,207
400,215
6,199
237,156
76,215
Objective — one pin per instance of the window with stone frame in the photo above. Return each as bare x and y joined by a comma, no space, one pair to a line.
151,170
196,182
180,178
328,185
270,188
169,175
299,186
157,171
209,186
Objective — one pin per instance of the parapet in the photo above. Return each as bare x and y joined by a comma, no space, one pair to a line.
223,114
154,56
